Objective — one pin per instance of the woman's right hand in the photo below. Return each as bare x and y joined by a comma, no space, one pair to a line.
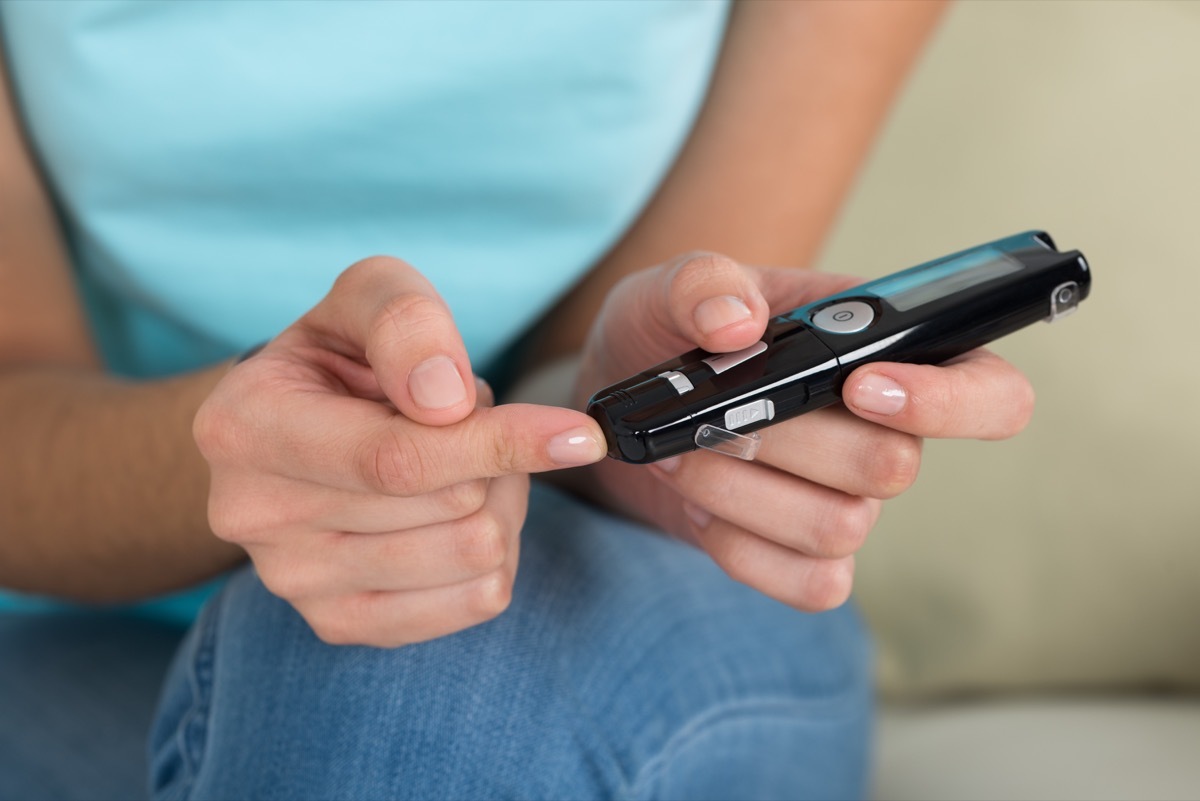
368,476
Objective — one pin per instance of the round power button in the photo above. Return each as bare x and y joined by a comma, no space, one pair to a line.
847,317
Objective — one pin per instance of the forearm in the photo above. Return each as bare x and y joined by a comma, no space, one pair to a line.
798,96
102,491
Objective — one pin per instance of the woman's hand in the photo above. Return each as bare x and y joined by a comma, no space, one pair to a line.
790,522
366,473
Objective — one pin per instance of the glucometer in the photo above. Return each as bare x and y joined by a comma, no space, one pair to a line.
926,314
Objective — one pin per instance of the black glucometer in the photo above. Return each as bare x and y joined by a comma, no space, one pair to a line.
926,314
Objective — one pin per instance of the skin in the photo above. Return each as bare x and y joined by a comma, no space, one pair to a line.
374,483
790,522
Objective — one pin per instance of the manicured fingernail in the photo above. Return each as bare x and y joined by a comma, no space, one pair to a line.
879,394
669,465
575,447
697,515
436,384
715,313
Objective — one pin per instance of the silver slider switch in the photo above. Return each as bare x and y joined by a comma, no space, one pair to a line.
747,413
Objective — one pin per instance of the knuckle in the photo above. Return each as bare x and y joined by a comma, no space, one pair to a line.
483,546
464,498
331,627
392,466
217,431
354,278
406,316
228,518
363,272
503,451
206,429
245,510
946,410
349,279
491,595
707,474
289,581
350,620
893,467
847,523
698,268
735,558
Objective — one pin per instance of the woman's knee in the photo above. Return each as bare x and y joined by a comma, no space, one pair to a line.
622,657
763,750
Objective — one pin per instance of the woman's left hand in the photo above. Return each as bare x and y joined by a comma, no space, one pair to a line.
790,522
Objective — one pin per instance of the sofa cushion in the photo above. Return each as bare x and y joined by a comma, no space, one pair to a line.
1040,749
1069,556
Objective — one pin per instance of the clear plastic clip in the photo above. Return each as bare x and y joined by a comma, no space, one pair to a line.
1064,300
718,440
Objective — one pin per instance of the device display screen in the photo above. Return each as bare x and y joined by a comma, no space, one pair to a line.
921,285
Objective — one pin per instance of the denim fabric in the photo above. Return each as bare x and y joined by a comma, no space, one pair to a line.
628,666
77,695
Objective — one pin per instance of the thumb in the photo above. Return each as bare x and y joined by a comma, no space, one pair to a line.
701,299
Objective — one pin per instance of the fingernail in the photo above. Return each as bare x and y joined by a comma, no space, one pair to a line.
669,465
483,391
879,394
575,447
715,313
436,384
697,515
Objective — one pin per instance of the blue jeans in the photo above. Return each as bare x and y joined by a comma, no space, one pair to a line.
77,696
628,666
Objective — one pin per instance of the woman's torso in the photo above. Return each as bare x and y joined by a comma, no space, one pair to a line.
217,164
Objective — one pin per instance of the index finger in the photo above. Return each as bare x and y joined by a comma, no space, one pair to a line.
977,395
403,458
361,446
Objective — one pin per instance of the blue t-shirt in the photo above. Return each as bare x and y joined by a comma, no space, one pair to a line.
218,164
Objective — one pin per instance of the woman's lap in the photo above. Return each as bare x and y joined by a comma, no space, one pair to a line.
77,695
627,666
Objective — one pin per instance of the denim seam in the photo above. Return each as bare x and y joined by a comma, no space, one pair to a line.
191,733
601,737
702,724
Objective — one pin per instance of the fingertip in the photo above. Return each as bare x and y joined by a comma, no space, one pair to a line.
593,450
978,397
413,346
716,303
875,393
730,322
576,447
528,438
715,314
561,437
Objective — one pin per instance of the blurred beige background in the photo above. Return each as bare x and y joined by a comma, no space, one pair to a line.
1070,556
